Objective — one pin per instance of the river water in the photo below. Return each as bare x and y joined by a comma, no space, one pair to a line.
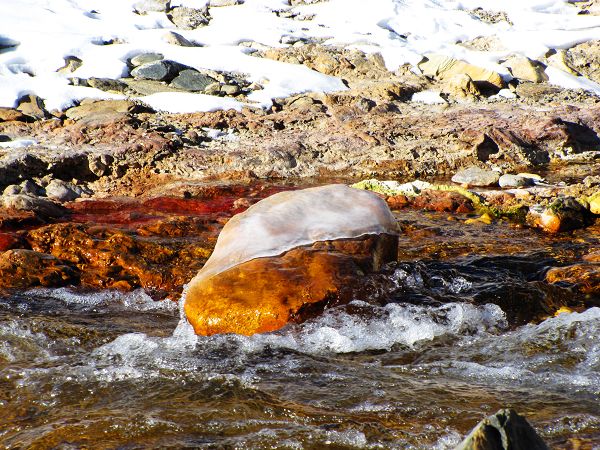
415,363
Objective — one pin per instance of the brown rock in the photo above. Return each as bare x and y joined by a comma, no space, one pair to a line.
33,106
10,114
265,294
443,201
26,268
396,202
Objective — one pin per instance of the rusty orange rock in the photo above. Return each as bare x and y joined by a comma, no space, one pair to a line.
21,268
264,294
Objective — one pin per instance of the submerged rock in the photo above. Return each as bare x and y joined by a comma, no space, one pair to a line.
505,430
288,253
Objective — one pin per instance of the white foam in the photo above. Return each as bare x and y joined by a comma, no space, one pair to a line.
136,300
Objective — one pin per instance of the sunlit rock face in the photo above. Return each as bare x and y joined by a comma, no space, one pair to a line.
288,256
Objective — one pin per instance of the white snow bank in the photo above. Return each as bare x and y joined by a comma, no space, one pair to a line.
401,30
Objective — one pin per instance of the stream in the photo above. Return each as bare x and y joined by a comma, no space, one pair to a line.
415,361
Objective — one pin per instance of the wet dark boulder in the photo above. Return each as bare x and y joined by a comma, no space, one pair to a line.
505,430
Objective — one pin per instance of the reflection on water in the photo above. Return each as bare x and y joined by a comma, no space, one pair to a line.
414,362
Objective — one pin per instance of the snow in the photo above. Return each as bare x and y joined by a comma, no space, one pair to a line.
401,30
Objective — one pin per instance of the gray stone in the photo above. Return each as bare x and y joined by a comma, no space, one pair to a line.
514,181
107,85
164,70
189,18
230,89
474,176
148,87
146,6
145,58
62,191
176,39
38,205
213,89
28,187
505,430
32,106
192,80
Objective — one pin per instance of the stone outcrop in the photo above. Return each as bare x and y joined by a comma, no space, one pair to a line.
288,254
505,430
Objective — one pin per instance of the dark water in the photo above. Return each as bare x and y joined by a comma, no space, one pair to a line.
415,364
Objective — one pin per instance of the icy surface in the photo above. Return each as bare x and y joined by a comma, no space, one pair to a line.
106,33
290,219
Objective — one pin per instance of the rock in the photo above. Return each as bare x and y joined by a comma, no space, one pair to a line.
32,106
107,85
145,58
230,89
287,255
558,58
526,69
164,70
586,276
146,6
192,80
99,164
444,67
461,86
40,206
474,176
148,87
584,59
505,430
22,269
72,63
10,114
443,201
12,189
594,202
104,107
62,191
563,214
28,187
8,241
189,18
176,39
514,181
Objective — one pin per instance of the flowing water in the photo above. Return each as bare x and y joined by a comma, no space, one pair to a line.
420,356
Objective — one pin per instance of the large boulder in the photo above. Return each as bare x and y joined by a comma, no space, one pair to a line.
444,67
288,257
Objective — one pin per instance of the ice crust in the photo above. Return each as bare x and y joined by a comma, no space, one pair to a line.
291,219
403,31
